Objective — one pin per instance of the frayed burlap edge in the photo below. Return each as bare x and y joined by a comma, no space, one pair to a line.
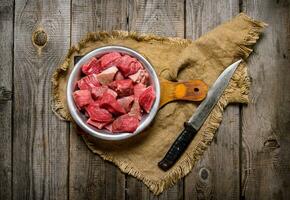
239,79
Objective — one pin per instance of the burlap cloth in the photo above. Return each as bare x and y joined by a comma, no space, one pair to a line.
173,59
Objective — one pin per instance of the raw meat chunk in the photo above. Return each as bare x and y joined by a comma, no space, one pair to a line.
136,110
127,65
136,77
145,78
134,67
141,76
88,107
112,92
109,127
88,82
107,59
98,114
146,99
93,104
82,98
139,88
119,76
91,67
115,85
110,103
126,102
107,76
99,91
95,66
122,87
125,123
96,124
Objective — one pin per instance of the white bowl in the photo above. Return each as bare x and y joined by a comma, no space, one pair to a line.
81,119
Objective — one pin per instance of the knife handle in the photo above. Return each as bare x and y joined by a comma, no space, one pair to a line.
178,147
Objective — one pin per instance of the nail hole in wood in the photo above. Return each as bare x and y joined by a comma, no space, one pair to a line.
39,38
196,90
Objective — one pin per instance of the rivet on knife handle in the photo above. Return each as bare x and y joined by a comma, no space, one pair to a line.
178,147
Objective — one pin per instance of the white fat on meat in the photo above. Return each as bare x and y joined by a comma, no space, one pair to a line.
107,76
141,76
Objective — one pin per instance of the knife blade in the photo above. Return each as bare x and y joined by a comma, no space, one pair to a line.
195,122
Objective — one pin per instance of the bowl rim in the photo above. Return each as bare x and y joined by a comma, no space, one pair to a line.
75,112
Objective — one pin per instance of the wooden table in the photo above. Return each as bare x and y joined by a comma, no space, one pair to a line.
42,157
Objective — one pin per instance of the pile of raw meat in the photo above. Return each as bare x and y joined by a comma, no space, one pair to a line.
114,93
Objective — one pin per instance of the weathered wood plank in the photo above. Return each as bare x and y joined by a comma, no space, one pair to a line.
6,47
162,18
40,139
216,175
159,17
90,176
265,121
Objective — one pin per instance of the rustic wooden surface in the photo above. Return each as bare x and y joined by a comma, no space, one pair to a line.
42,157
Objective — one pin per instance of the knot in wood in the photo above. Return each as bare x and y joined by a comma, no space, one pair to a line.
271,143
204,173
5,95
39,38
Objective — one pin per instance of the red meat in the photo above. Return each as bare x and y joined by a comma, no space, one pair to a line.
119,76
139,88
134,67
96,124
98,114
91,67
107,76
82,98
109,127
110,103
126,102
112,92
136,77
95,66
125,123
141,76
135,110
115,86
88,107
99,91
107,59
93,104
122,87
88,82
127,65
147,98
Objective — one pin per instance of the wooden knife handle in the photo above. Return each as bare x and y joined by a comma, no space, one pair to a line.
192,90
178,147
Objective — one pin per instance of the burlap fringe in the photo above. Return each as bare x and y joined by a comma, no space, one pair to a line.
184,167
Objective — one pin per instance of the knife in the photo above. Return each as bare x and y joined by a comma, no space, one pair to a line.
192,126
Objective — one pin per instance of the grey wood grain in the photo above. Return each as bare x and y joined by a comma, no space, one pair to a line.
162,18
40,139
6,57
90,176
50,161
216,175
159,17
265,121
